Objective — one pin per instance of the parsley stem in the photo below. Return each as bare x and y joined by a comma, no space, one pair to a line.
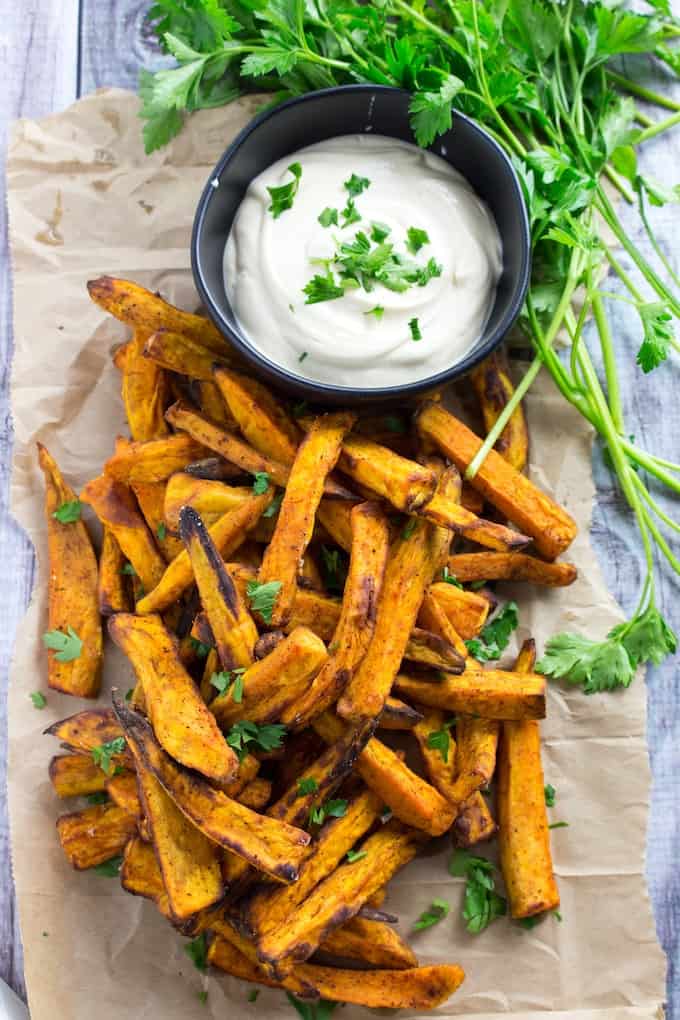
661,514
654,465
619,183
607,346
652,239
642,91
621,273
410,12
658,127
511,138
661,541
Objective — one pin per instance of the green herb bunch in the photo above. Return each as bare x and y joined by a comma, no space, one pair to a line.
542,76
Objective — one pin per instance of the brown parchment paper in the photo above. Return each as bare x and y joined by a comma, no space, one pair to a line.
85,200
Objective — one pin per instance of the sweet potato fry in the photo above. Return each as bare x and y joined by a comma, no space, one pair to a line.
95,834
209,499
233,629
408,573
404,483
115,507
337,898
140,875
270,687
524,839
421,988
86,730
188,860
428,649
112,588
153,461
438,750
184,726
491,693
256,794
272,907
370,537
449,514
268,844
210,401
510,567
227,534
471,499
123,791
551,527
409,797
138,307
372,942
260,416
466,610
432,617
73,603
151,499
213,469
335,516
397,715
179,353
318,612
144,392
75,775
476,744
316,458
493,387
474,823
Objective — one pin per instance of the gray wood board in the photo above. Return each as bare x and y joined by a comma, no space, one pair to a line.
54,51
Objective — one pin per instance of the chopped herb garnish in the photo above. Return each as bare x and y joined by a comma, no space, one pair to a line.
481,904
197,951
306,786
100,797
350,213
356,855
495,635
322,288
203,997
557,916
244,733
335,568
260,482
415,329
299,409
329,217
128,569
103,754
331,809
69,512
229,678
110,868
416,239
321,1009
530,922
252,995
477,585
450,578
559,825
355,185
283,196
262,597
274,506
433,915
161,532
38,698
128,694
550,794
378,311
200,648
394,424
379,231
440,740
66,646
409,527
303,356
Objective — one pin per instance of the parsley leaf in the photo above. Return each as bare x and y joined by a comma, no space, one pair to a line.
103,754
350,214
331,809
101,797
321,1009
322,288
355,185
68,512
450,578
658,335
202,650
394,424
440,740
262,597
356,855
550,794
260,482
598,666
38,698
306,786
110,868
379,231
415,329
203,997
335,566
197,951
431,111
433,915
378,311
481,903
232,677
559,825
416,239
161,532
252,995
283,196
409,527
495,636
274,506
328,217
67,646
243,733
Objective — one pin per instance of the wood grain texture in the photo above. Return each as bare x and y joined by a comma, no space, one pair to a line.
44,70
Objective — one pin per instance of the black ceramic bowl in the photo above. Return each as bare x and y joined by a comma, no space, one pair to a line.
353,109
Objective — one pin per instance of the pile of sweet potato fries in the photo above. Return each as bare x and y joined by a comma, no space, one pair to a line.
248,779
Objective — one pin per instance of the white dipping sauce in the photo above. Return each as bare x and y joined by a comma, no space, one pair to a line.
267,263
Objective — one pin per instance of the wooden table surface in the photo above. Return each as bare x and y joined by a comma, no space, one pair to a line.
56,50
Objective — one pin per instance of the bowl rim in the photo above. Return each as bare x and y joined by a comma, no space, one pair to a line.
322,390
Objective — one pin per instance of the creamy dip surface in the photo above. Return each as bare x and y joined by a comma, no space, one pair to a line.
372,335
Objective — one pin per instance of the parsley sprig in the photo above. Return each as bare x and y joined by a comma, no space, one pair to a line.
283,196
481,903
495,636
245,736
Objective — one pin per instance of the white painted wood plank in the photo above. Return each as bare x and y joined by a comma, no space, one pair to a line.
39,57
